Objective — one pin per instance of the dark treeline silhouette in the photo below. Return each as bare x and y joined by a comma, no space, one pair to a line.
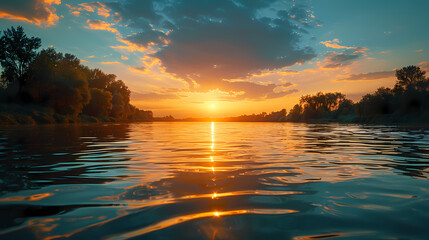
51,87
407,102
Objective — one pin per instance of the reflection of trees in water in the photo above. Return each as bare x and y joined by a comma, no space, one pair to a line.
403,149
33,156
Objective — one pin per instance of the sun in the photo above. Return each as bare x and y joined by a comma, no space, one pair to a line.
212,106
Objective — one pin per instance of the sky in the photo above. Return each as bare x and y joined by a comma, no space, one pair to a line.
219,58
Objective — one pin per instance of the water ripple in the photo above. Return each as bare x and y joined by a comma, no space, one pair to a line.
213,181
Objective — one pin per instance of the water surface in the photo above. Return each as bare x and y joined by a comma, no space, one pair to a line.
214,181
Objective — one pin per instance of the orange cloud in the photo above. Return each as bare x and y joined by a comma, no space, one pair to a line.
334,44
100,8
139,70
129,46
107,63
103,11
87,7
101,25
124,58
287,72
42,13
76,13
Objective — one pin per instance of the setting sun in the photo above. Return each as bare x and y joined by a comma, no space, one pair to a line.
212,106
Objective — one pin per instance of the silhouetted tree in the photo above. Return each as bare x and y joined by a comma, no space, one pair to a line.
17,51
314,106
345,107
118,87
378,103
98,79
295,113
410,77
58,81
100,103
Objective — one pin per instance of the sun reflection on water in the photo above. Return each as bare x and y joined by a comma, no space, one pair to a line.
145,178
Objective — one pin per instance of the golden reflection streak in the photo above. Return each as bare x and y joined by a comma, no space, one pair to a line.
35,197
212,147
244,192
177,220
133,205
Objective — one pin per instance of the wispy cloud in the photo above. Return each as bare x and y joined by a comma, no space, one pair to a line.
100,8
367,76
101,25
143,70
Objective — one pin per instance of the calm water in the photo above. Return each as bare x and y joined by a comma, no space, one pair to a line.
214,181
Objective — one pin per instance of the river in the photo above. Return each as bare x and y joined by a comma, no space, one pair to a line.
214,181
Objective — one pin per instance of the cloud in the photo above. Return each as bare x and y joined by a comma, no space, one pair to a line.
100,8
335,44
424,66
206,43
101,25
254,91
109,63
368,76
143,70
148,38
346,57
337,60
152,96
38,12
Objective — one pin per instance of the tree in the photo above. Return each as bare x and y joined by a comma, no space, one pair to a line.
379,103
100,103
320,103
118,87
295,113
98,79
17,51
409,77
58,81
120,99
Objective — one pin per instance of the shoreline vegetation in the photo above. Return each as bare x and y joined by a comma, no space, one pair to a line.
52,87
42,87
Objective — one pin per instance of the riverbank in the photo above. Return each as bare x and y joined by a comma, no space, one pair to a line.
17,114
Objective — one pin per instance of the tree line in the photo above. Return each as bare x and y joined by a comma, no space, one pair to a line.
51,87
407,101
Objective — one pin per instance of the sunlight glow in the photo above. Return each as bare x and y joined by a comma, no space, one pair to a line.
212,106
